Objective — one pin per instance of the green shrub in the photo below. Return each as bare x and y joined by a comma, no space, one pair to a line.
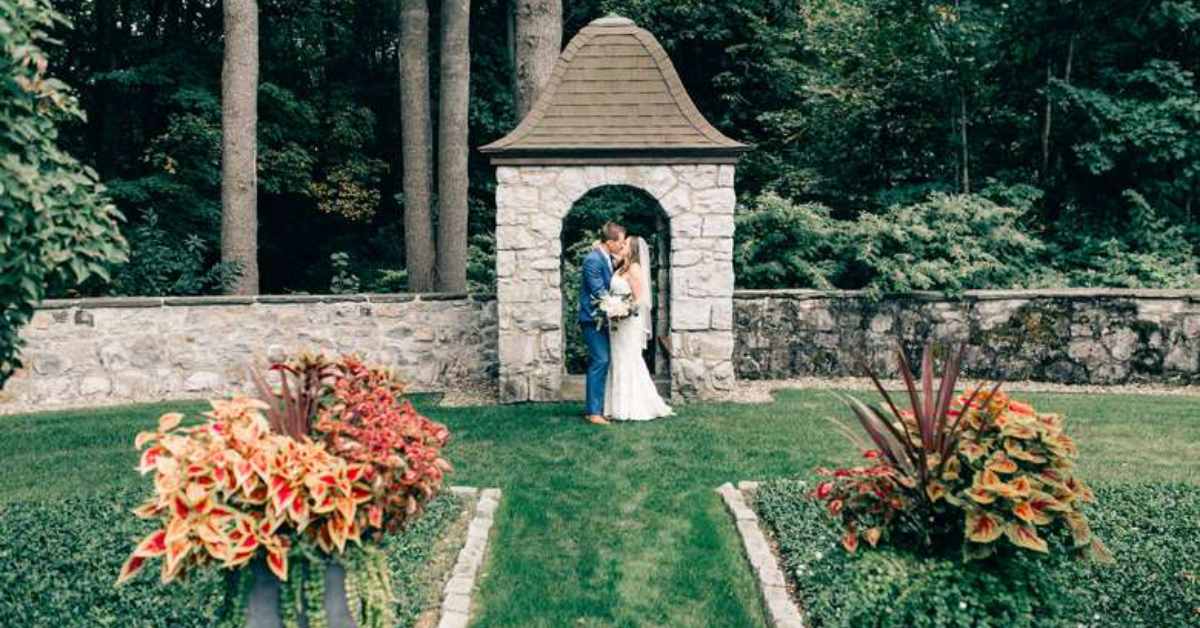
782,244
60,558
56,222
159,265
1152,531
1145,249
948,243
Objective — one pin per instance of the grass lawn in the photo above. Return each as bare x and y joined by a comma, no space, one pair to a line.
619,525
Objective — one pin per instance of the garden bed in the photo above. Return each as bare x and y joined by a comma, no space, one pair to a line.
1153,532
61,558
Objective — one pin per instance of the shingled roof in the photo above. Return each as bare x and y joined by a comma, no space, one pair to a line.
613,97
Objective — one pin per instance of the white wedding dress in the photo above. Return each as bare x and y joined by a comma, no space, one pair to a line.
630,394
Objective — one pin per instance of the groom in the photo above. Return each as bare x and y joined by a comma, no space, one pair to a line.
597,272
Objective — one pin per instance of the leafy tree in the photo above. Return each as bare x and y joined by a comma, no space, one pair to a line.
56,222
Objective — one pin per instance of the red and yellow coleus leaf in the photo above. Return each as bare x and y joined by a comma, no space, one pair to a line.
132,566
1020,408
988,479
1027,512
148,510
850,541
973,451
951,471
1025,536
277,562
935,491
1001,463
155,544
1014,449
173,560
143,438
1080,490
872,536
1017,487
149,459
983,527
1061,445
1019,430
1081,532
980,495
169,421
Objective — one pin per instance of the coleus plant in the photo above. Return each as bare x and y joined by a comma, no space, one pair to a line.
972,468
229,489
364,420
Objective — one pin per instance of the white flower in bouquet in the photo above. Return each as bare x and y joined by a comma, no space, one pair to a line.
612,308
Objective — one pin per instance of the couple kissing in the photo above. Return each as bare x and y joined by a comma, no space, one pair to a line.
619,385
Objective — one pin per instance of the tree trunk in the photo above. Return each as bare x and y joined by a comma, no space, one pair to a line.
1044,173
415,144
239,145
452,146
966,152
538,43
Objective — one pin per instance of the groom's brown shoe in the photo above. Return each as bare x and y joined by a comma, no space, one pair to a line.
596,419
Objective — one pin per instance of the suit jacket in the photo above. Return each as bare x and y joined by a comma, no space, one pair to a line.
597,272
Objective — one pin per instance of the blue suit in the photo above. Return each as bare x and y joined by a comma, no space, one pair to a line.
597,271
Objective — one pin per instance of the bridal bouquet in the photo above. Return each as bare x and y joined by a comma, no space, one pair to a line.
612,308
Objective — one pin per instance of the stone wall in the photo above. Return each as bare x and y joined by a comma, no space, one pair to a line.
531,202
93,351
1077,336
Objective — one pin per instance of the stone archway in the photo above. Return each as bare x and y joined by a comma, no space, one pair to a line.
642,216
614,113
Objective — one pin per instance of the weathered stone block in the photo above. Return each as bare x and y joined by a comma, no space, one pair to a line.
722,314
512,238
718,226
507,175
690,314
686,226
520,198
698,177
94,385
714,201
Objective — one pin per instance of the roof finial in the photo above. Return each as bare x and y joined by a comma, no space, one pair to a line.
612,19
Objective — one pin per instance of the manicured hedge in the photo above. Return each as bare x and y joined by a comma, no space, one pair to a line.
60,560
1153,531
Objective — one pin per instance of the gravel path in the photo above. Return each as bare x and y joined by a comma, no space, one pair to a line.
761,391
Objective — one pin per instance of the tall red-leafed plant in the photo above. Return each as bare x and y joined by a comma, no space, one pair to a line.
918,442
969,470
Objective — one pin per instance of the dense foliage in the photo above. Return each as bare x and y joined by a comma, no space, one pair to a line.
1061,136
56,222
1150,529
82,540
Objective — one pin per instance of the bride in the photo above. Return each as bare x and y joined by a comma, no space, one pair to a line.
630,394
